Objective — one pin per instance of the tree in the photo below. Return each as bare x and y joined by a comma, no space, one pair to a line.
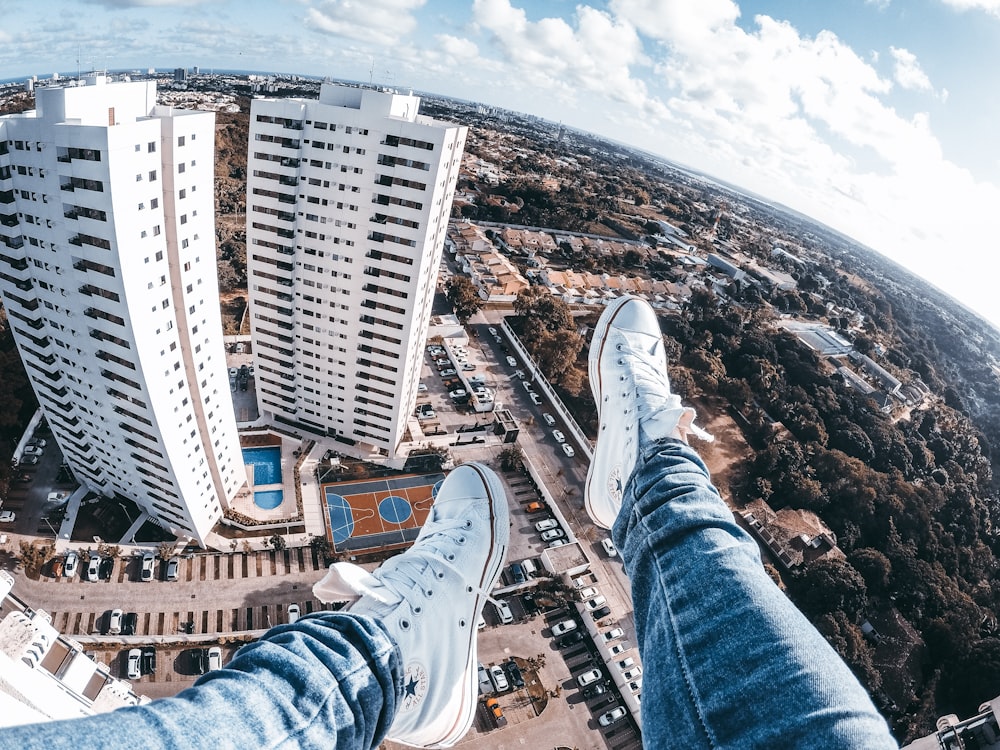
827,586
463,297
278,542
511,458
165,551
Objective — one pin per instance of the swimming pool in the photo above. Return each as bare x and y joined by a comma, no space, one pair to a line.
266,464
268,499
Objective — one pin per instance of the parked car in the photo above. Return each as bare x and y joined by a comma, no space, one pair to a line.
533,507
587,593
627,663
468,367
199,660
28,461
612,634
598,614
517,573
485,684
503,610
568,450
148,564
32,450
618,648
548,536
173,568
56,567
591,675
493,706
557,543
535,398
37,442
610,717
129,622
72,560
107,568
498,678
571,639
636,685
514,674
511,361
492,330
631,674
7,516
549,419
459,393
115,622
214,658
563,627
94,568
560,438
134,669
596,603
594,690
609,548
293,613
149,660
448,373
548,523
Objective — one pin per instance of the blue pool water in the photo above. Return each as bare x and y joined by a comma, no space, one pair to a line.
268,499
266,464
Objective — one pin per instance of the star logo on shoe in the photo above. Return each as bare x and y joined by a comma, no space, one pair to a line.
616,488
414,686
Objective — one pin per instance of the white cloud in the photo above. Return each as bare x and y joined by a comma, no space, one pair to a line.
908,72
113,4
880,4
595,56
990,6
456,48
377,21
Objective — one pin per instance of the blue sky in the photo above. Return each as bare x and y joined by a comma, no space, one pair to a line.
877,117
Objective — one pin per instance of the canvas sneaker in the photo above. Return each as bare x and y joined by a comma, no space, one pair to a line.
429,598
628,376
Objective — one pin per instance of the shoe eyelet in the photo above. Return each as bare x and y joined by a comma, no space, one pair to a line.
417,610
468,589
429,593
450,557
461,540
468,523
404,624
461,623
439,576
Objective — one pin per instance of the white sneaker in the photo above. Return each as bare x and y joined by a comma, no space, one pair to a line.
628,376
429,598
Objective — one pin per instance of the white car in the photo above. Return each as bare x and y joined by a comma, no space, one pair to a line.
214,658
134,656
609,548
557,543
492,330
596,603
568,450
520,374
560,438
612,634
618,648
498,678
94,569
72,560
468,367
503,610
587,593
535,398
548,523
549,419
293,613
7,516
448,373
422,388
633,673
561,628
610,717
115,622
458,393
548,536
511,361
33,450
636,685
627,663
591,675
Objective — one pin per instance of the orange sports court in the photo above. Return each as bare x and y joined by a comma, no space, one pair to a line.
377,513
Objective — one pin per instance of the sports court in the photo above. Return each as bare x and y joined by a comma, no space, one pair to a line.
376,513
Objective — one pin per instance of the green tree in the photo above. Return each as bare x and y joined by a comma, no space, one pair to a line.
511,458
463,297
278,542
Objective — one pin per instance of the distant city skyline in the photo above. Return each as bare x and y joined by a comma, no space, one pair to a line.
858,114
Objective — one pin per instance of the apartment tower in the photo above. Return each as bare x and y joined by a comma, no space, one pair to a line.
108,276
348,200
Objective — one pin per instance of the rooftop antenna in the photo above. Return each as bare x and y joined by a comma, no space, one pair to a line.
371,73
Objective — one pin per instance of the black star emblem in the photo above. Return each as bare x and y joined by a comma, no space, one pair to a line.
410,689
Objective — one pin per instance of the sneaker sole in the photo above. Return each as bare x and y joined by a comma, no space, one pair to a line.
597,388
499,517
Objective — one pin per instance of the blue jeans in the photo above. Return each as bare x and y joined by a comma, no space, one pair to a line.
329,681
728,660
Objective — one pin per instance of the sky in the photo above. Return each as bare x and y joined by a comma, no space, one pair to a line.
875,117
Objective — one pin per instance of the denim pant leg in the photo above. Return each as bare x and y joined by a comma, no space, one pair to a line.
328,681
728,660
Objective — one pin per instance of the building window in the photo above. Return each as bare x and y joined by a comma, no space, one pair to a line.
152,175
180,140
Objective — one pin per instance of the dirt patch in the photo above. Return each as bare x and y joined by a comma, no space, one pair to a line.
726,457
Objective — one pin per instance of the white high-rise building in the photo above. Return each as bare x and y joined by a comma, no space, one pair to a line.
108,276
348,200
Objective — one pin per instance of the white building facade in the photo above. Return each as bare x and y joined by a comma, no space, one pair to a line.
108,275
348,200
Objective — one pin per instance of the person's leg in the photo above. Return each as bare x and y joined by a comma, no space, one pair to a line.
728,660
399,665
328,681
